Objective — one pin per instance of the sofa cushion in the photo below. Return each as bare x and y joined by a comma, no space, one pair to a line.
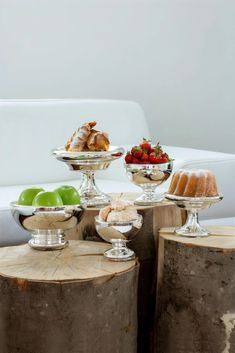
30,129
229,222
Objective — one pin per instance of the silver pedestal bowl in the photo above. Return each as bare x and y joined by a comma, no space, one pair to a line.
47,225
148,177
119,234
88,163
193,205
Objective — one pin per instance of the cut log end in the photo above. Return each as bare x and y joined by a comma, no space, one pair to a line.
72,301
196,290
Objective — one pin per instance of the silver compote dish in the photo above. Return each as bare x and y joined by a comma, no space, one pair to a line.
193,205
148,177
47,225
119,234
88,163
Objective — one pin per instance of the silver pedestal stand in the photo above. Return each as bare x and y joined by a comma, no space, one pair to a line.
88,163
193,205
148,177
119,234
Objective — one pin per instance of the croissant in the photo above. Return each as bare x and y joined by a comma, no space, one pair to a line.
70,140
98,141
79,138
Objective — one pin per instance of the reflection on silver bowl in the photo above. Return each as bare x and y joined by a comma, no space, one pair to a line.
47,224
118,234
193,205
148,177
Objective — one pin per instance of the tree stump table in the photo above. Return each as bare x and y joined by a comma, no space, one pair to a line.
67,301
196,293
164,214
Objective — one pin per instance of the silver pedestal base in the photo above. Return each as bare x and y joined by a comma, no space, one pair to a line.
47,241
119,251
149,200
193,205
96,201
91,195
192,232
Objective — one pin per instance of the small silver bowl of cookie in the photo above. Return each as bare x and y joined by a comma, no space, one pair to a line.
118,224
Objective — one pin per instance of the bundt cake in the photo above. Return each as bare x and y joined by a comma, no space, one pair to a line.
193,183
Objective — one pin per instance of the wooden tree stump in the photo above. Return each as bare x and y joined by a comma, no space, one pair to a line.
164,214
196,293
69,301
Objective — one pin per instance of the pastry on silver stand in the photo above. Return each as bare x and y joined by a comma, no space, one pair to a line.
88,151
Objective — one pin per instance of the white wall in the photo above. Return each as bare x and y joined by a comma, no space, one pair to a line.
175,57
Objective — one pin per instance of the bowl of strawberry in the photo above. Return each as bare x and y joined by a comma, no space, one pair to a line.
148,166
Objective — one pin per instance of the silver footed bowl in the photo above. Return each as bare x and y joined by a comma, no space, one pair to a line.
119,234
87,163
193,205
148,177
47,225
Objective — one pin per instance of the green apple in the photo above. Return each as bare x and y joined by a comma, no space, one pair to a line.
27,196
69,195
47,199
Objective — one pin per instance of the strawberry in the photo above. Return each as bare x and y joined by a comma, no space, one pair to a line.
136,161
163,160
144,158
157,149
145,145
165,157
145,154
153,158
157,159
136,152
128,158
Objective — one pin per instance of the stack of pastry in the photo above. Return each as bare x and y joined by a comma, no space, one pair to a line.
119,211
86,138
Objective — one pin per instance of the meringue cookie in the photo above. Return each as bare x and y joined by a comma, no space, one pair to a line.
119,211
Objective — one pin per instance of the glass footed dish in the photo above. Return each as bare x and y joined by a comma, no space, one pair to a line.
119,234
88,162
193,205
148,177
47,225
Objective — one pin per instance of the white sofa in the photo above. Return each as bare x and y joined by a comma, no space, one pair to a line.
31,128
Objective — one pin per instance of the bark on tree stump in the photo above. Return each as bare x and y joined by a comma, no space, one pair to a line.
69,301
196,293
164,214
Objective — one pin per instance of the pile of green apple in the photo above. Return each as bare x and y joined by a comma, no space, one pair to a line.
38,197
